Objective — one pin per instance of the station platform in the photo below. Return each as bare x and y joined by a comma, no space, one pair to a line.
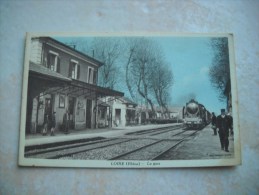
205,145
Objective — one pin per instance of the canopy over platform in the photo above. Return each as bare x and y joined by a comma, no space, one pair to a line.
45,81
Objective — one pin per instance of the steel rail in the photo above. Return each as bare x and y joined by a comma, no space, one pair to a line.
65,146
85,150
148,145
60,148
168,149
140,148
135,150
142,132
165,131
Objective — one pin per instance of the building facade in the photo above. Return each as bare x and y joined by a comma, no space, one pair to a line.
119,111
62,79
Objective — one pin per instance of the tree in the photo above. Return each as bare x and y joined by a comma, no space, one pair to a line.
147,75
147,72
130,48
220,71
142,58
108,51
162,81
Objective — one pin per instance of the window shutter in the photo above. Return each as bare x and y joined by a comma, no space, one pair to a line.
58,64
48,60
70,70
78,71
89,75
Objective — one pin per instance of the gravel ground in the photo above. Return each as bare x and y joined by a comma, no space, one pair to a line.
111,151
77,149
205,147
63,146
150,152
122,145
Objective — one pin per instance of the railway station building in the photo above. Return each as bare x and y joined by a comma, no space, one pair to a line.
63,80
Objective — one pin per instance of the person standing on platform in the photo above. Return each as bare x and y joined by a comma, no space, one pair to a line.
214,123
223,130
66,122
53,124
46,125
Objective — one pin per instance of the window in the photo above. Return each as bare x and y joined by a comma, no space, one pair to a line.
74,69
91,75
53,61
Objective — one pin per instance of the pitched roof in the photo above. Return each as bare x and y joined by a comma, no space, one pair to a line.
50,39
127,100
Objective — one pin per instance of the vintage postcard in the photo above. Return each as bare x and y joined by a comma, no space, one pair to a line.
126,100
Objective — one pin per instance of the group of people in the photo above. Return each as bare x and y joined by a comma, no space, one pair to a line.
222,124
50,124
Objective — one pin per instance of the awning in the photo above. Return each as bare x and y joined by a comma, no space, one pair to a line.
45,81
42,71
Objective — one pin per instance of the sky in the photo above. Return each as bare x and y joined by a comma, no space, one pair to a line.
190,59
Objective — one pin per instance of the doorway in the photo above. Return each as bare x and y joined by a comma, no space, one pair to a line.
117,116
48,109
88,113
71,111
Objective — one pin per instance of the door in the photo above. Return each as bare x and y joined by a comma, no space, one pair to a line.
118,116
48,110
88,113
71,111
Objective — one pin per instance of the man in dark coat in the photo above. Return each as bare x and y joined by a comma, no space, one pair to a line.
46,125
214,123
53,124
223,130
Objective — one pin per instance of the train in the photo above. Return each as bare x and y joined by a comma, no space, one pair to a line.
195,115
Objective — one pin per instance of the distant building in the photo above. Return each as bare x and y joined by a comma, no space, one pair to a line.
122,111
63,79
176,112
169,113
144,114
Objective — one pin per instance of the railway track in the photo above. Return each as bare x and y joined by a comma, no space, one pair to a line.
155,131
146,149
153,151
144,145
60,151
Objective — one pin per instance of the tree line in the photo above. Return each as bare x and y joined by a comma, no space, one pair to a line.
137,64
219,71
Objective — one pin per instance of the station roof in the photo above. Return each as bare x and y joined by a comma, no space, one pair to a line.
67,47
42,70
128,101
46,81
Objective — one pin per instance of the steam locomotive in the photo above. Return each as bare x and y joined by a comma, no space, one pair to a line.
195,115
